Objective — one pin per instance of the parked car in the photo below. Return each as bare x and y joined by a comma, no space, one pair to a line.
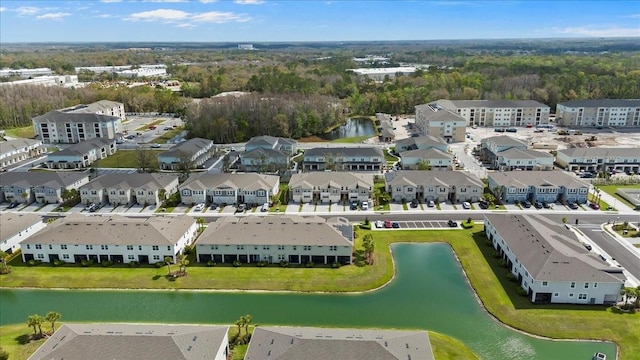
354,205
594,206
152,127
546,205
466,205
388,224
526,204
588,247
452,223
414,203
265,207
168,128
213,206
199,207
379,224
511,130
13,204
241,208
573,206
483,204
155,146
431,203
538,205
364,206
499,130
395,225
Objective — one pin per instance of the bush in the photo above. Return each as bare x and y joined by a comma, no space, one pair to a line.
236,263
210,263
159,264
466,225
284,264
106,263
335,265
58,262
511,277
86,263
502,263
261,263
310,264
520,291
188,249
134,264
33,262
365,226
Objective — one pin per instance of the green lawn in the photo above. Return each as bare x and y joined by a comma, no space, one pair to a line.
170,134
611,190
487,278
352,140
156,122
125,159
21,132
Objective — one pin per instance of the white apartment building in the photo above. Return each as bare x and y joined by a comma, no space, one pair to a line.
17,227
434,120
599,112
18,150
499,113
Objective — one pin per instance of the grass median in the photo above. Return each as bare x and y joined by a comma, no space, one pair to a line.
486,276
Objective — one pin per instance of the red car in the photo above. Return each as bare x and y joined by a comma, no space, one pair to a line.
152,127
388,224
594,206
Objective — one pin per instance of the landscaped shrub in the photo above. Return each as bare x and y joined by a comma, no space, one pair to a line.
210,263
335,265
496,255
262,263
365,226
106,263
284,264
310,264
236,263
86,263
58,262
466,225
33,262
159,264
502,263
188,249
511,277
520,291
134,264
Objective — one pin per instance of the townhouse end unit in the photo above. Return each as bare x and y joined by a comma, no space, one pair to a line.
600,159
190,154
41,187
538,186
17,227
550,263
437,186
81,155
120,239
293,239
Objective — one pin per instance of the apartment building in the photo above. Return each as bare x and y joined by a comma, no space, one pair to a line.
330,187
121,189
102,119
229,188
499,113
599,113
363,158
82,154
435,120
540,186
192,154
600,159
440,186
41,187
18,150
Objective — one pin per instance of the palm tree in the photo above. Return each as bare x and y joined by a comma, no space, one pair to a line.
239,323
52,317
247,321
200,222
168,260
32,322
183,262
627,293
4,268
39,321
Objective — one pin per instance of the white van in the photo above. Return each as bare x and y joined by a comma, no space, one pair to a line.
265,207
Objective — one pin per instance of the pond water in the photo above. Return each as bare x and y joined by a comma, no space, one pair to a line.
352,128
429,292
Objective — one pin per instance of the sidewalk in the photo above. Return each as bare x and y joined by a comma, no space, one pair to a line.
620,206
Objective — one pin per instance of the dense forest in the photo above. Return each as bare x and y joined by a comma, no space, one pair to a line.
300,91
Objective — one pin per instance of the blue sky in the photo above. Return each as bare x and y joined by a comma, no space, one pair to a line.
297,20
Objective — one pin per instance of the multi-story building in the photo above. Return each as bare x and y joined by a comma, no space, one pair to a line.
111,238
330,187
294,239
499,112
491,147
518,159
435,120
18,150
599,159
434,159
364,158
540,186
264,160
17,227
268,342
229,188
421,143
102,119
41,187
599,112
440,186
82,154
136,341
120,189
385,127
289,146
190,154
550,263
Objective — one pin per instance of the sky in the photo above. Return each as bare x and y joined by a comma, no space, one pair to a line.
310,20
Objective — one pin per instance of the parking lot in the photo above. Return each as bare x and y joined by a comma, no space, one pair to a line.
415,225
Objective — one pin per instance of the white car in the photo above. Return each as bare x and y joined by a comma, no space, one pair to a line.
466,205
199,207
364,206
379,224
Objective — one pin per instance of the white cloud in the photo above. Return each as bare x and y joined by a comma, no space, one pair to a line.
159,15
249,2
53,16
601,32
2,9
208,1
104,16
220,17
110,1
165,1
185,19
27,10
185,26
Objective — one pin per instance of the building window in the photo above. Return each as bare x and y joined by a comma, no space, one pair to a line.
295,248
595,285
545,283
38,247
265,247
89,247
156,257
239,247
586,285
582,296
573,285
214,247
50,247
307,248
333,248
280,247
155,247
139,247
63,247
40,256
570,295
556,294
104,247
169,248
65,256
131,257
28,246
129,247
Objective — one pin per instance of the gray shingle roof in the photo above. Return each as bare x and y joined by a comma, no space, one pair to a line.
15,144
236,181
427,177
515,153
337,179
260,153
549,251
187,148
44,178
601,103
129,341
522,179
367,151
267,140
131,181
113,230
58,116
13,223
440,114
427,154
504,140
295,343
421,141
83,147
282,230
601,152
456,104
